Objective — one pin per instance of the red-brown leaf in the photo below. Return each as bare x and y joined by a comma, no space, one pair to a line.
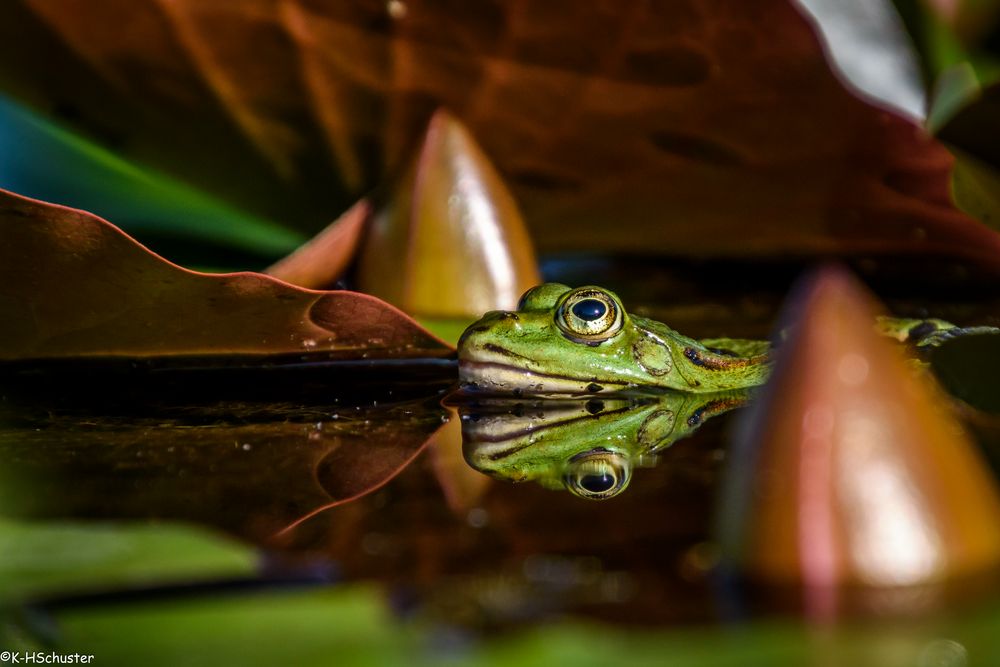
706,128
73,285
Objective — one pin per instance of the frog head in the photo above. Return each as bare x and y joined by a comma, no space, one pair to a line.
563,341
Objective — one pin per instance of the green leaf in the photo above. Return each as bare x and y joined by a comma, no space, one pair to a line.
323,627
955,88
41,559
45,161
352,626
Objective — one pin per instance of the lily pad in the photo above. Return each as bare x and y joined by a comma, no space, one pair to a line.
616,129
74,286
60,558
354,626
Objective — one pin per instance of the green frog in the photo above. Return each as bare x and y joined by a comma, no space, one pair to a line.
564,341
589,447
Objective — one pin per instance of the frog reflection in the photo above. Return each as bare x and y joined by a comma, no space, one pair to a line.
589,446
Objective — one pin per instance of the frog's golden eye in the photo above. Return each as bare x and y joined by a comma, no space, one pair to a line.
589,315
598,474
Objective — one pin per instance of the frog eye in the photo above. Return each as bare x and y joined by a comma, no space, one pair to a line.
598,474
525,299
542,297
589,315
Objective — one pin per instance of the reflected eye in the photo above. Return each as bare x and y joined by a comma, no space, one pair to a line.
598,474
589,314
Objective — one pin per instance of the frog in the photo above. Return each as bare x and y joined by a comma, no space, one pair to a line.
571,342
586,446
563,341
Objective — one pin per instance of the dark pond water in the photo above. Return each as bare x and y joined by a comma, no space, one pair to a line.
382,490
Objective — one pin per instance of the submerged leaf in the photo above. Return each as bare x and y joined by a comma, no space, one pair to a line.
73,285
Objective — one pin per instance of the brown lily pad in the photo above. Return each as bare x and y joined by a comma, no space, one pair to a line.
690,128
74,286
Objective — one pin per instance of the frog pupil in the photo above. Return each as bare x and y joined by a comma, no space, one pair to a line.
590,310
598,483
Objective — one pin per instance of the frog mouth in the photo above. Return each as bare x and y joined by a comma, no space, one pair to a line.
489,376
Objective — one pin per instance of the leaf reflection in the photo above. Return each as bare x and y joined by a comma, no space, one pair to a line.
250,468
